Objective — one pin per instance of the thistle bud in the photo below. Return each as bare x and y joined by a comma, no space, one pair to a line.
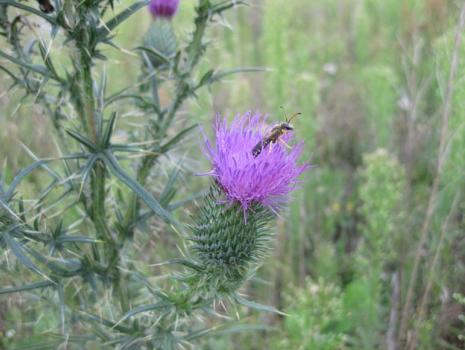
160,40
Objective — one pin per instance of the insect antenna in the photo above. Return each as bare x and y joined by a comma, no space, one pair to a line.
292,117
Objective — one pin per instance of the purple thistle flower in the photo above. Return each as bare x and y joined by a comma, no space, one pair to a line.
267,178
163,8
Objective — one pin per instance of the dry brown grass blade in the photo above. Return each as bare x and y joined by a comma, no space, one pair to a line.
406,310
422,309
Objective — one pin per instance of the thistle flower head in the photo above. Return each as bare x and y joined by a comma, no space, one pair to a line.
225,245
163,8
266,178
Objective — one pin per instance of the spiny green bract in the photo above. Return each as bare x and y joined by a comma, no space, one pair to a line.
227,241
160,43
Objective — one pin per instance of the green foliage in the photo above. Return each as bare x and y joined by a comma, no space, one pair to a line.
314,320
381,192
275,27
370,78
379,88
362,303
459,298
363,27
75,242
454,159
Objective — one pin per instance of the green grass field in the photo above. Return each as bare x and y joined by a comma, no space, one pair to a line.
369,254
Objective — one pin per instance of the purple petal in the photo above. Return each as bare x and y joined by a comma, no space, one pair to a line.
267,178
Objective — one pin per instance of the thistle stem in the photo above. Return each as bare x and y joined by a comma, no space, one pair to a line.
195,51
87,107
88,101
98,177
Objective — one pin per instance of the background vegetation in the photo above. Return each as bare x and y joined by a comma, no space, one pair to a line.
370,253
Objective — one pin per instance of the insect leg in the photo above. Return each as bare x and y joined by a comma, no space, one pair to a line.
284,143
271,147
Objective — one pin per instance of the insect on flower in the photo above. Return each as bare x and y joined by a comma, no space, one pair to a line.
274,135
45,6
245,178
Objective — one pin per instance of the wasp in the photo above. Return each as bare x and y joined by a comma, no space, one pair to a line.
274,135
45,6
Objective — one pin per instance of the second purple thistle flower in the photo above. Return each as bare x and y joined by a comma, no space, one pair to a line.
163,8
246,179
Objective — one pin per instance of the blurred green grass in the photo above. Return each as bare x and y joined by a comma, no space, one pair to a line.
366,75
